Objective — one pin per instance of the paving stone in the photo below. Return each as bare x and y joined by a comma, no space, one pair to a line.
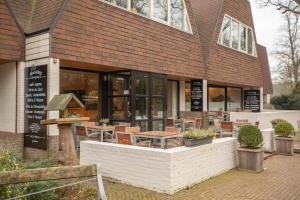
280,180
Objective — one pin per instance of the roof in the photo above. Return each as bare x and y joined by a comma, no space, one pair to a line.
35,16
206,14
63,101
265,68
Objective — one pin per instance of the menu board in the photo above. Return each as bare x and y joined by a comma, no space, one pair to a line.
252,100
35,102
196,95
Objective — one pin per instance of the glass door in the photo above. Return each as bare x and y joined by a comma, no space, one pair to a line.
149,100
216,98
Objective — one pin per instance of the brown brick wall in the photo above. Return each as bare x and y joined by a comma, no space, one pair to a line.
229,65
11,40
94,32
12,141
265,67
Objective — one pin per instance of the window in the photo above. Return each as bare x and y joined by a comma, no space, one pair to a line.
170,12
243,37
160,9
237,36
121,3
85,86
141,7
216,99
188,96
234,99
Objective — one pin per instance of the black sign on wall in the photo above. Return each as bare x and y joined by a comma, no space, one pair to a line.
252,100
35,102
196,95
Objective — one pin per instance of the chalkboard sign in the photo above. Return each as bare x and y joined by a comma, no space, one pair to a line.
196,95
35,102
252,100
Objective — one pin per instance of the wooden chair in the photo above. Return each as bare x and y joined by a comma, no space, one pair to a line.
83,134
227,129
171,123
257,124
242,121
298,122
173,142
218,127
126,137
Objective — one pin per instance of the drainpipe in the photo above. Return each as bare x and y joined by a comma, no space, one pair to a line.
16,114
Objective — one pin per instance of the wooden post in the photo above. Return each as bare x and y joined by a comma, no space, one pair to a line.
68,146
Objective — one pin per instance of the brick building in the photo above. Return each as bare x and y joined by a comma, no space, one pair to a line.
130,61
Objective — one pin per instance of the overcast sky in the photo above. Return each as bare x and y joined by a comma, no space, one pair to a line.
267,22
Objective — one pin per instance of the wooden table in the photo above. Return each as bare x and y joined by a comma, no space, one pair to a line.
162,136
101,130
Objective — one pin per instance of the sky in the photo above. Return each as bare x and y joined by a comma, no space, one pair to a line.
267,22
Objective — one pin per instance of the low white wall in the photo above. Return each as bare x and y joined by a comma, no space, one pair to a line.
165,171
266,117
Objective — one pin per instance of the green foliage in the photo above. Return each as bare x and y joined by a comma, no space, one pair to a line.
104,121
284,129
10,161
288,102
198,133
274,122
250,136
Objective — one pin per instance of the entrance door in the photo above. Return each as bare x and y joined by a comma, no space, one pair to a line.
216,98
149,100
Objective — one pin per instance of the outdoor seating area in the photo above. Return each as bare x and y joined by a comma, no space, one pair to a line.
170,137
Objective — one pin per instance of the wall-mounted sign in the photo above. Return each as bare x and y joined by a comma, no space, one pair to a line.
252,100
35,102
196,95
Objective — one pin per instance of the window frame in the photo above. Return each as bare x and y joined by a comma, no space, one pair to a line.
187,28
240,24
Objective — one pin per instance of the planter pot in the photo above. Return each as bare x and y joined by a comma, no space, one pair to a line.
284,145
250,159
197,142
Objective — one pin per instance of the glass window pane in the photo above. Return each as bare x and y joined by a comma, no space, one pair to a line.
141,6
234,99
160,9
157,125
85,86
142,85
119,86
157,86
226,31
250,41
235,34
187,96
141,108
121,3
120,108
157,108
177,13
216,99
173,99
243,34
143,125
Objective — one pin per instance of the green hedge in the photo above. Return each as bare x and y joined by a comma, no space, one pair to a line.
250,136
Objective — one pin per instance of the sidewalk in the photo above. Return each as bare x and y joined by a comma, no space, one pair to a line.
280,181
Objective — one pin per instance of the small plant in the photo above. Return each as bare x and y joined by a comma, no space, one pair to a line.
274,122
250,137
104,121
284,129
198,133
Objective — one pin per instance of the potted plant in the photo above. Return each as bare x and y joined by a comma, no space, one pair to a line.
250,152
274,122
196,137
284,139
103,121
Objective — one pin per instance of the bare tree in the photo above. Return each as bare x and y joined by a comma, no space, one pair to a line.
285,6
288,51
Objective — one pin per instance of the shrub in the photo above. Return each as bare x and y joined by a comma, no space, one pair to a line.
250,136
284,129
198,133
274,122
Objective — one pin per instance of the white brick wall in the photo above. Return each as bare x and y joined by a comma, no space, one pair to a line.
8,97
165,171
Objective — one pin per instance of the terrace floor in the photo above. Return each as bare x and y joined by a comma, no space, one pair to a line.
279,181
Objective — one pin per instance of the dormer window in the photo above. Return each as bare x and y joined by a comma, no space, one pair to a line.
169,12
237,35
